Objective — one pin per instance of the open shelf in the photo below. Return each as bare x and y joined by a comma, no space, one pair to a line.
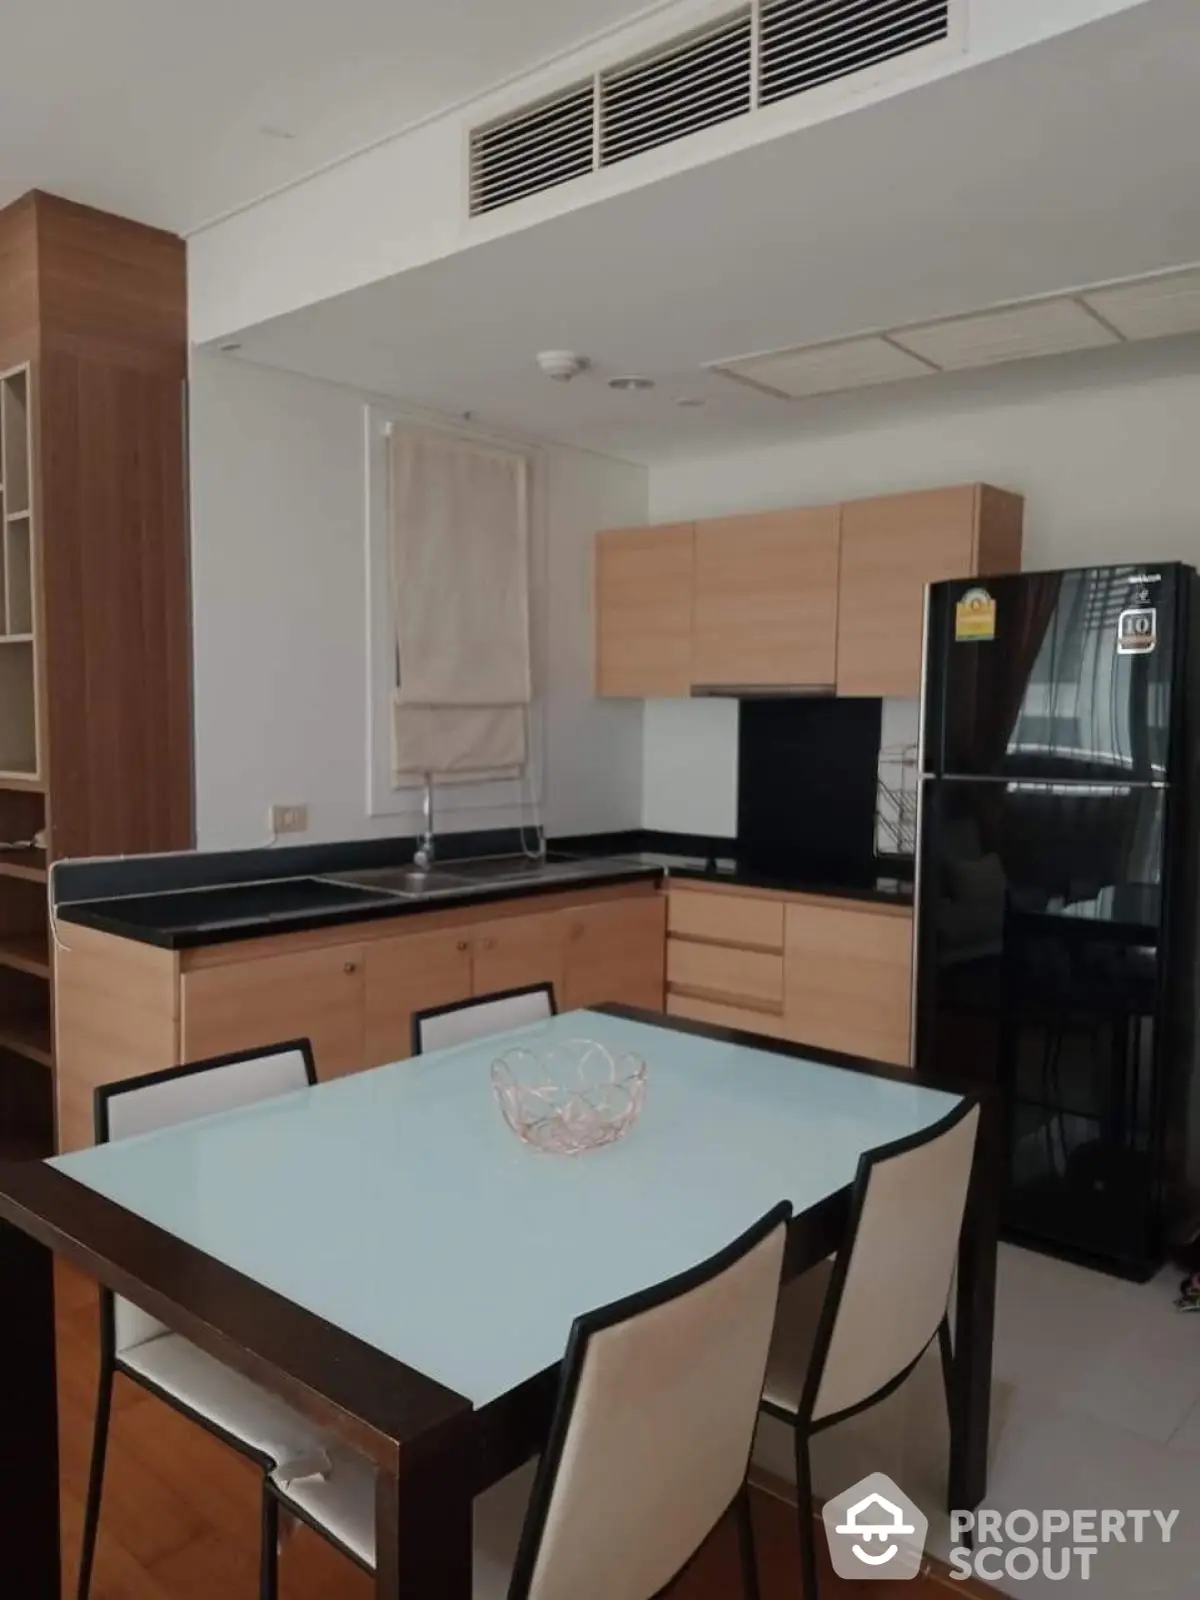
29,1036
19,754
28,864
25,952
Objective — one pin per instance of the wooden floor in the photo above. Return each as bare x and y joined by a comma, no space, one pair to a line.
180,1513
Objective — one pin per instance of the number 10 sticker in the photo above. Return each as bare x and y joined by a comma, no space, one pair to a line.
1137,631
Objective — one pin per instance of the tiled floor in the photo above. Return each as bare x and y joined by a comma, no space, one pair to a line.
1096,1405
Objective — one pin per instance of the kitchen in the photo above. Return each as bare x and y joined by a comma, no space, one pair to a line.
1087,440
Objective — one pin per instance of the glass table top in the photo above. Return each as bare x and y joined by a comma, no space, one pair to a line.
397,1205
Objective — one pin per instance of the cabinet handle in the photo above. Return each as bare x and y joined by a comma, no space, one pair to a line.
461,946
350,966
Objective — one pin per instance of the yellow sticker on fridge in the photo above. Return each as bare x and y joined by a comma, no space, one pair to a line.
975,616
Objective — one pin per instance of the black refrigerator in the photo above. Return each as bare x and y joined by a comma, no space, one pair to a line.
1057,892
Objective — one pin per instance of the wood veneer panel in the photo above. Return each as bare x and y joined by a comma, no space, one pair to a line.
847,981
114,575
766,598
644,611
116,1015
18,283
110,289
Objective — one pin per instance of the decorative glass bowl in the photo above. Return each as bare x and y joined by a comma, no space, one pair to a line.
571,1097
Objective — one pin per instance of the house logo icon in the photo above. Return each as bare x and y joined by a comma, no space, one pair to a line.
875,1531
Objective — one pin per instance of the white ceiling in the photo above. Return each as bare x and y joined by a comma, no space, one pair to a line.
155,108
1065,165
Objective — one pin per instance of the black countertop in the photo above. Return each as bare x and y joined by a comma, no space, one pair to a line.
188,900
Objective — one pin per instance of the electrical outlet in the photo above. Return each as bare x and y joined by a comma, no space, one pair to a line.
289,819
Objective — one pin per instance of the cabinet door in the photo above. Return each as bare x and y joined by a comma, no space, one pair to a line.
514,951
847,980
891,548
408,974
644,611
616,952
311,994
766,593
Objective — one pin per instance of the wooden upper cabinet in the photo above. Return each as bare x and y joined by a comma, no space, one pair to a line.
615,952
891,548
766,599
304,994
643,600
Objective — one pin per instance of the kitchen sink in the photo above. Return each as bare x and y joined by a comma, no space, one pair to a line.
409,883
459,877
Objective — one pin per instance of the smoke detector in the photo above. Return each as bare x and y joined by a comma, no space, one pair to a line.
561,365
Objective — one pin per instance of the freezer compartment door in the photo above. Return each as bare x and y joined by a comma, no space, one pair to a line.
1058,675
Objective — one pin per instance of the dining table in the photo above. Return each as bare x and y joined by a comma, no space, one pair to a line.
382,1252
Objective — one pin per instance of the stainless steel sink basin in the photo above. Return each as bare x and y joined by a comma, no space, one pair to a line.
409,883
459,877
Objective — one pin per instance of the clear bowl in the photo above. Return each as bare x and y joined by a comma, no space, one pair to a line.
569,1098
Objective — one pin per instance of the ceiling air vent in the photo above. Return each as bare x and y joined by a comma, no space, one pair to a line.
804,43
542,145
692,83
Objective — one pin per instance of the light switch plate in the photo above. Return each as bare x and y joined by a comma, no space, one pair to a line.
289,819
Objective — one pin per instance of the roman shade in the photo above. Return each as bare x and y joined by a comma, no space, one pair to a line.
459,513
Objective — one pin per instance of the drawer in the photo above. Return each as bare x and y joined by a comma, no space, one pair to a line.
729,919
725,1016
717,969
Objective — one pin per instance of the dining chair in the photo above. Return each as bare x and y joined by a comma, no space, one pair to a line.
842,1351
253,1422
648,1450
443,1027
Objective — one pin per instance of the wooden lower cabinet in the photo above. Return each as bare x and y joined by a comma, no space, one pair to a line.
313,994
615,952
515,951
848,979
407,974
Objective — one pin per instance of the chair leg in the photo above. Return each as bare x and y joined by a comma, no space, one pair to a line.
91,1515
268,1559
745,1531
809,1588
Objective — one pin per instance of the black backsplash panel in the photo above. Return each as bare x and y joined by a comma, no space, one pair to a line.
807,773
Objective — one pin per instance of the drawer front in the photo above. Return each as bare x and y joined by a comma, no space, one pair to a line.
729,919
726,1016
717,969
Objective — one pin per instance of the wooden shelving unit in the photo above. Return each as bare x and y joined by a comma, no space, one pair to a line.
95,698
20,741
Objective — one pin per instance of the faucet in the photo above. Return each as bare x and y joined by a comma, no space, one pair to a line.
424,854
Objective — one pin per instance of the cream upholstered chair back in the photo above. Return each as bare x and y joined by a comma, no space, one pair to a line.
651,1440
199,1089
443,1027
891,1287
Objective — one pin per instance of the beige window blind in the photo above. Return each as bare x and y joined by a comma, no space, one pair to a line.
459,517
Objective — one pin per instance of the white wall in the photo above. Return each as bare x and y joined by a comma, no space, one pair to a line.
1110,473
278,466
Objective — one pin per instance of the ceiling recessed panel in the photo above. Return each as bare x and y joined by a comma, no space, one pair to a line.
1154,309
1017,333
824,369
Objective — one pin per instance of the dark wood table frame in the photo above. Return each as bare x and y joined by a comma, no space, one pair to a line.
434,1451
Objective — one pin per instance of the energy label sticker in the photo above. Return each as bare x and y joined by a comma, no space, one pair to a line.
1137,631
975,616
